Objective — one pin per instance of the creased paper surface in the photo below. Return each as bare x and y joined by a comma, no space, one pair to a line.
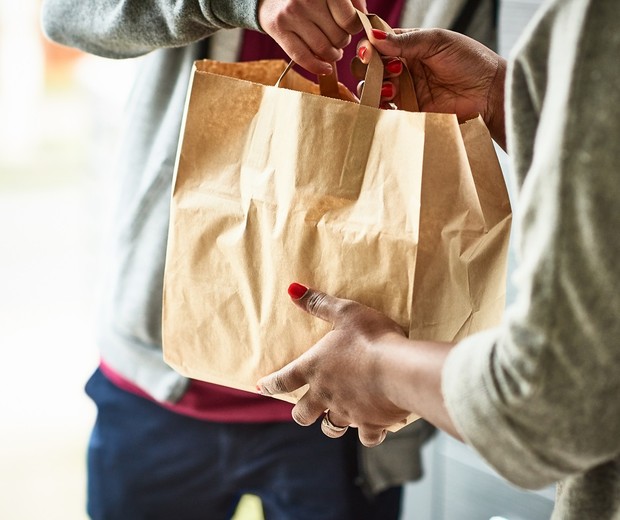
404,212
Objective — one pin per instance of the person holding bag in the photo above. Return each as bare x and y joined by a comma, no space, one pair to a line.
165,446
537,396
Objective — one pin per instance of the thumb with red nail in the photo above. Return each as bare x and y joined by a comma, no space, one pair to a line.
350,371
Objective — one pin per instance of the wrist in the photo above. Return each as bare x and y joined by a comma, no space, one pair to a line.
411,374
400,369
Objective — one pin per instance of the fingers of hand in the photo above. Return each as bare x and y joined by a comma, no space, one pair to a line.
343,13
392,67
389,90
307,410
334,428
285,380
312,34
392,45
301,54
370,437
324,41
364,51
361,5
323,306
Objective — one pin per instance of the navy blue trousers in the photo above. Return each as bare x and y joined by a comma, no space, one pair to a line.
147,463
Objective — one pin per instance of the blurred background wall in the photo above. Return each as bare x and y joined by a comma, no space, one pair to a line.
59,111
59,114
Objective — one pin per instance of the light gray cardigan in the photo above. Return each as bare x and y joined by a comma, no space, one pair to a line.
539,397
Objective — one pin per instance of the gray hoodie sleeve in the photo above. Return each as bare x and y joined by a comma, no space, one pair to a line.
539,396
130,28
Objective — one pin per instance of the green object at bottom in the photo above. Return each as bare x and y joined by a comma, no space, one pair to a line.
249,508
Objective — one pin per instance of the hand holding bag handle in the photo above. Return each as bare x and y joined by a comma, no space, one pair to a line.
373,81
371,94
354,164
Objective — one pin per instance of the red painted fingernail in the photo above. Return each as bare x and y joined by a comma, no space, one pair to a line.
361,52
296,290
387,90
379,35
394,66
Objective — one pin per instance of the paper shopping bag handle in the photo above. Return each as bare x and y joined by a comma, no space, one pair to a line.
371,94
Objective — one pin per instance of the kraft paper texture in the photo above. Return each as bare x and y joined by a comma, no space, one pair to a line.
405,212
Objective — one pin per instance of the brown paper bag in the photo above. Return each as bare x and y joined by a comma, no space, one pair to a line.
405,212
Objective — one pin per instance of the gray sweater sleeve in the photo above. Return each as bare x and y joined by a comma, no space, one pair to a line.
539,396
130,28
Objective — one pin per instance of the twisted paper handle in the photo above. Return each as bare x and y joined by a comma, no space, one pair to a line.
371,94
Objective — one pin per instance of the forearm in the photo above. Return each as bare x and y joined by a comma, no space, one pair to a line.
129,28
412,372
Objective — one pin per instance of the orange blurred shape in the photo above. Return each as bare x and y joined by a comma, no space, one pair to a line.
59,62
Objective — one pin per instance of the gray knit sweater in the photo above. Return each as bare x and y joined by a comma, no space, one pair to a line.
171,35
130,324
539,397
